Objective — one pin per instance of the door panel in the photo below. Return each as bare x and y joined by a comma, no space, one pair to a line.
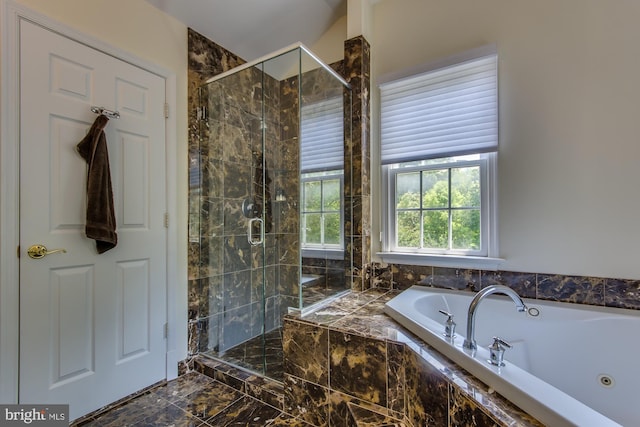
133,320
71,349
67,211
135,196
91,326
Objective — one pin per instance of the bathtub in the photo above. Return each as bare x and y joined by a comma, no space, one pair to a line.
568,365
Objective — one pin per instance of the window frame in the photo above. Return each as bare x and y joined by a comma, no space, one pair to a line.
390,173
486,258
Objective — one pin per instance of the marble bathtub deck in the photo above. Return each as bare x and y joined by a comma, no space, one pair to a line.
192,400
352,339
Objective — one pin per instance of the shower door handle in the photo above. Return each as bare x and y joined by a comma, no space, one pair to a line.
252,240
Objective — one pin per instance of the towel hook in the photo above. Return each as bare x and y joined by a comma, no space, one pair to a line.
104,112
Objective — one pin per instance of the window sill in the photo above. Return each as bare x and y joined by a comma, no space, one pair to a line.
452,261
334,254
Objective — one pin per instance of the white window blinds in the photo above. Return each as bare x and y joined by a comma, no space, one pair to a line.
322,145
441,113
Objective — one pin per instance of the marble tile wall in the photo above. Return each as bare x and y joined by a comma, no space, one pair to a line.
222,153
331,275
206,179
351,357
608,292
357,64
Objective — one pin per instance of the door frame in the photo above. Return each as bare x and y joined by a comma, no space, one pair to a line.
11,13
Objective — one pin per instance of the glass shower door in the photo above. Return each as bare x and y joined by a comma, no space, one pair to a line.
233,220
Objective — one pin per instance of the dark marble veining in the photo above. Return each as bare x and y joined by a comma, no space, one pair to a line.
358,366
347,410
366,418
331,278
259,354
464,412
580,290
307,348
523,283
356,70
608,292
306,401
376,365
396,378
190,400
245,412
426,391
622,293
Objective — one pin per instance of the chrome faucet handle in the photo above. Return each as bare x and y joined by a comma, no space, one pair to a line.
496,351
497,341
449,326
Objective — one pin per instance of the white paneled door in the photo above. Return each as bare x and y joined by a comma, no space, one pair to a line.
91,326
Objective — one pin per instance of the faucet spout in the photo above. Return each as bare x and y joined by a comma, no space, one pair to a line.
470,341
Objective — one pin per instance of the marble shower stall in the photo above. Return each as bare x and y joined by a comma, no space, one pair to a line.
245,201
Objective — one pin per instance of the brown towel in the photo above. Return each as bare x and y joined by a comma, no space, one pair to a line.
101,219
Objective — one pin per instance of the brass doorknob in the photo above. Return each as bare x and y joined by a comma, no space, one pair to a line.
39,251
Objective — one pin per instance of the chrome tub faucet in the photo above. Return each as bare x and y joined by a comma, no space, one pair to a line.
470,341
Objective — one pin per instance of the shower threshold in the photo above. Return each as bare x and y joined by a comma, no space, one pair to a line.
249,355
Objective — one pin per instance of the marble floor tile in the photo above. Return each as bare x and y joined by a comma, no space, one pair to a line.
288,421
170,415
191,400
130,413
209,401
245,412
183,386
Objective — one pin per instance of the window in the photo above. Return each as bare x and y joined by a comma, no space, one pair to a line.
439,133
321,212
322,165
438,206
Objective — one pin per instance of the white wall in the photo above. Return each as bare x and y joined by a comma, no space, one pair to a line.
141,30
569,179
330,46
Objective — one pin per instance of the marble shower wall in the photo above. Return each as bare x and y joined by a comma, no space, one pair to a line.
206,278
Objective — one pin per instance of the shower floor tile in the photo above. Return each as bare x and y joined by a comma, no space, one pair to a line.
249,355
